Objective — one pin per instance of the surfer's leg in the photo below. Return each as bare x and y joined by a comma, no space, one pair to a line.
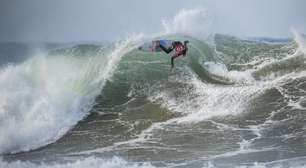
172,63
166,50
172,59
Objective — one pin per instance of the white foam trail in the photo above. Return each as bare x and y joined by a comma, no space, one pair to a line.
92,162
212,101
220,101
206,101
44,97
194,22
216,68
220,70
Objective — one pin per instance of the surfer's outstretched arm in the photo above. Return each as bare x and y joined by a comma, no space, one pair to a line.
166,50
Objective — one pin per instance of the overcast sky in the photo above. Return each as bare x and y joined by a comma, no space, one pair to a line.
105,20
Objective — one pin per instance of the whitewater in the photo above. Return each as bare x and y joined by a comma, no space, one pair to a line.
230,102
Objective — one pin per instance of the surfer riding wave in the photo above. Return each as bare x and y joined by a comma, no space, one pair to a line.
179,47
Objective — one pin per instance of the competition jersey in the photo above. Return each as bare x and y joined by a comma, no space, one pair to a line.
179,47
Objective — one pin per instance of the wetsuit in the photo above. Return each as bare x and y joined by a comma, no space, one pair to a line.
180,49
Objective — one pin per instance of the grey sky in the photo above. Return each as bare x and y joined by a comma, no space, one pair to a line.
100,20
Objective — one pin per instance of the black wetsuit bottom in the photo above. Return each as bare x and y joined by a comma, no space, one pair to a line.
166,50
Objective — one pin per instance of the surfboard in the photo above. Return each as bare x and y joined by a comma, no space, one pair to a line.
153,46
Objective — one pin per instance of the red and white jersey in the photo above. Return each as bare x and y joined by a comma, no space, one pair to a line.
179,48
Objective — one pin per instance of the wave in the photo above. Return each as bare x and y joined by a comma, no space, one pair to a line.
44,97
236,91
204,87
290,62
36,99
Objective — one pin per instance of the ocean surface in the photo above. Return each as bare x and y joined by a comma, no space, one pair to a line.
229,103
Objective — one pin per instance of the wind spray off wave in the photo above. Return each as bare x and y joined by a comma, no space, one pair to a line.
300,40
195,22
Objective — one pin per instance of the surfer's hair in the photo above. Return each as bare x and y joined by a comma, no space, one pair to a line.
186,42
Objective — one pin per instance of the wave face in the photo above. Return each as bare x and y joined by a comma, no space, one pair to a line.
45,96
228,103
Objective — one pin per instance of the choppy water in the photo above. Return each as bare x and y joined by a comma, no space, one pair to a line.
230,103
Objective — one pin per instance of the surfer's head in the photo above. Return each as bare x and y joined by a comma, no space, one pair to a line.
186,42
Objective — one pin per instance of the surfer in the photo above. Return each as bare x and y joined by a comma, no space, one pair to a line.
179,47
